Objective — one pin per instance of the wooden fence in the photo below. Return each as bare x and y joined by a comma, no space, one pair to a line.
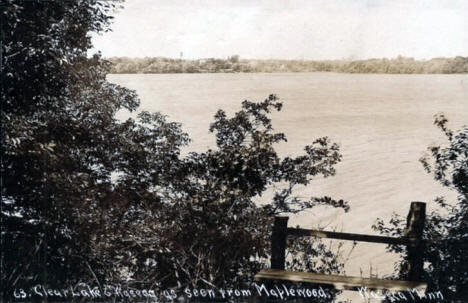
412,239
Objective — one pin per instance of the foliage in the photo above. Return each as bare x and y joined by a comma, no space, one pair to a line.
207,230
88,198
446,228
399,65
60,140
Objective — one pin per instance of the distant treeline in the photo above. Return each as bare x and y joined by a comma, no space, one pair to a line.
399,65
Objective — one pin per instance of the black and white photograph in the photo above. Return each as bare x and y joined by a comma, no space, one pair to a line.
234,151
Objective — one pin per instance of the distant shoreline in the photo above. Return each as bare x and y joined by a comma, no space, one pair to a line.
399,65
282,72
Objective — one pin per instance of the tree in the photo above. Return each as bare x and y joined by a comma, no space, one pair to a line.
208,230
46,135
61,143
88,198
446,229
234,59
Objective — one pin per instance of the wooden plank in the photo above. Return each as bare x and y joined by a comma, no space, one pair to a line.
278,242
340,282
414,229
348,236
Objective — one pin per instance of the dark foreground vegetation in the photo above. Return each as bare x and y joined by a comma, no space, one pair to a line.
446,230
87,198
399,65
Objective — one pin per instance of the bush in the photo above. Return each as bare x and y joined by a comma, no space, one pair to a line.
446,228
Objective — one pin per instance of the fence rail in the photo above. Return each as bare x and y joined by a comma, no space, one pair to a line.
412,238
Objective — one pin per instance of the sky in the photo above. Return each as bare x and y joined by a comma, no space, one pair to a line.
288,29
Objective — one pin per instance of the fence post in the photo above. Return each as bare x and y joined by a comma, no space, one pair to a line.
414,231
278,242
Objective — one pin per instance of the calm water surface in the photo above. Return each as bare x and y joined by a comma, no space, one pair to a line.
383,123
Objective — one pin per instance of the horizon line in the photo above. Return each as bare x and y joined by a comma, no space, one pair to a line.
286,59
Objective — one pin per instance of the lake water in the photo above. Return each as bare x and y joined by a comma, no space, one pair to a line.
383,123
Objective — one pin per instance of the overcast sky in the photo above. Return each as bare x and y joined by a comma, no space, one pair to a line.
289,29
